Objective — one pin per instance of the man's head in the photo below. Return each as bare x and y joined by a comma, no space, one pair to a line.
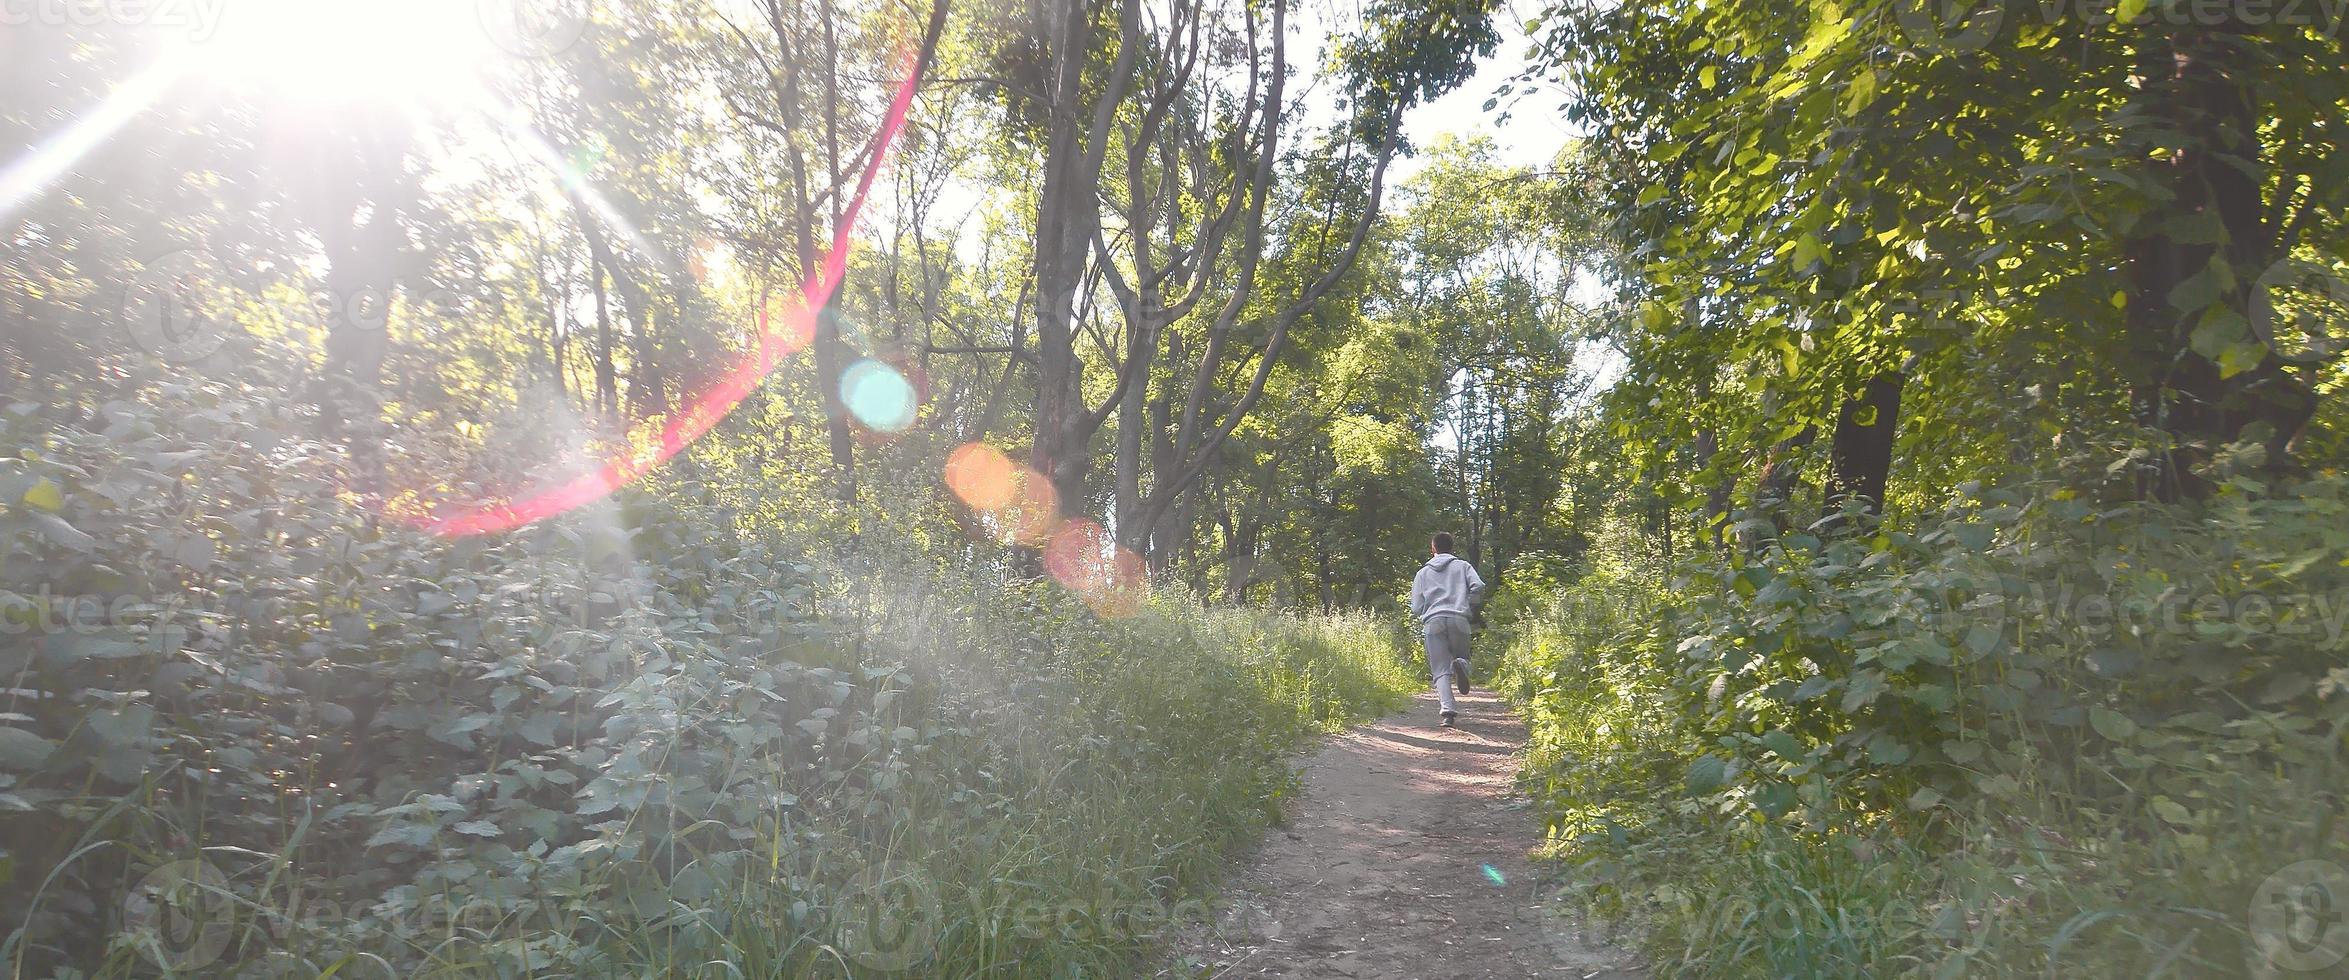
1440,544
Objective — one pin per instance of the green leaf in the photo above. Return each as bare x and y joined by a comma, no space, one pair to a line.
1707,77
1886,750
62,534
2111,724
45,495
477,828
2203,288
121,728
539,728
2218,329
459,731
1784,744
1863,688
1935,696
1999,785
2240,358
1706,774
67,648
1861,92
2171,810
23,751
1981,638
404,832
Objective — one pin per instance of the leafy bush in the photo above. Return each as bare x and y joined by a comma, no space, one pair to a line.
2036,734
656,736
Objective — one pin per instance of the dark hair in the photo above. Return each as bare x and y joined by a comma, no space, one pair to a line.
1442,542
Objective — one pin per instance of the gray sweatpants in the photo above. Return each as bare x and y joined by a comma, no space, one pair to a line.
1447,640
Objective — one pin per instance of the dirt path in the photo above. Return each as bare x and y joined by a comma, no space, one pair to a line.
1406,857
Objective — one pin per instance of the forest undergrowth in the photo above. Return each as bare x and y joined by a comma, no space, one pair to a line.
674,735
2030,734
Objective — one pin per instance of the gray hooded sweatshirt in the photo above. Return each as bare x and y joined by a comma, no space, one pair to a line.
1445,584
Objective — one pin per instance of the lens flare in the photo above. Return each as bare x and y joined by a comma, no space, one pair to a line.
23,179
878,396
1019,506
981,476
785,328
1126,587
1078,555
783,322
1083,558
1032,514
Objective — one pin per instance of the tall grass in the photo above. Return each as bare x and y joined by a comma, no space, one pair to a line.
1120,793
678,736
1053,817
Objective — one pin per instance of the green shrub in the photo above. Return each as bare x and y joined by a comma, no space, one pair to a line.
2034,735
656,736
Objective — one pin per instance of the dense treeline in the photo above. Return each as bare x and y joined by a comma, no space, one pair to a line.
327,329
1977,598
1156,274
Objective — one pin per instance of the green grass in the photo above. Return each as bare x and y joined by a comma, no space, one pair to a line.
1046,817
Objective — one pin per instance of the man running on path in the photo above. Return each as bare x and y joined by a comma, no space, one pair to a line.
1441,596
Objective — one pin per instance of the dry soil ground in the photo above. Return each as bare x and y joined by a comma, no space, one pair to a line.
1406,856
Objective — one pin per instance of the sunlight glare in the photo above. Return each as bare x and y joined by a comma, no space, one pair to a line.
21,180
334,51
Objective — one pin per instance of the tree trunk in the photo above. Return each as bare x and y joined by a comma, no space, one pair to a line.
1860,457
1774,487
360,169
607,375
646,390
1708,445
2193,268
1132,529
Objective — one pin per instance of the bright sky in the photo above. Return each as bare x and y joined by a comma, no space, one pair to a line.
1535,130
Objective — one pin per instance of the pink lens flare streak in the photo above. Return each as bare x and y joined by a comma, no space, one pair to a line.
774,344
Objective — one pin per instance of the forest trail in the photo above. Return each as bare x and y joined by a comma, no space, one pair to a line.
1406,856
